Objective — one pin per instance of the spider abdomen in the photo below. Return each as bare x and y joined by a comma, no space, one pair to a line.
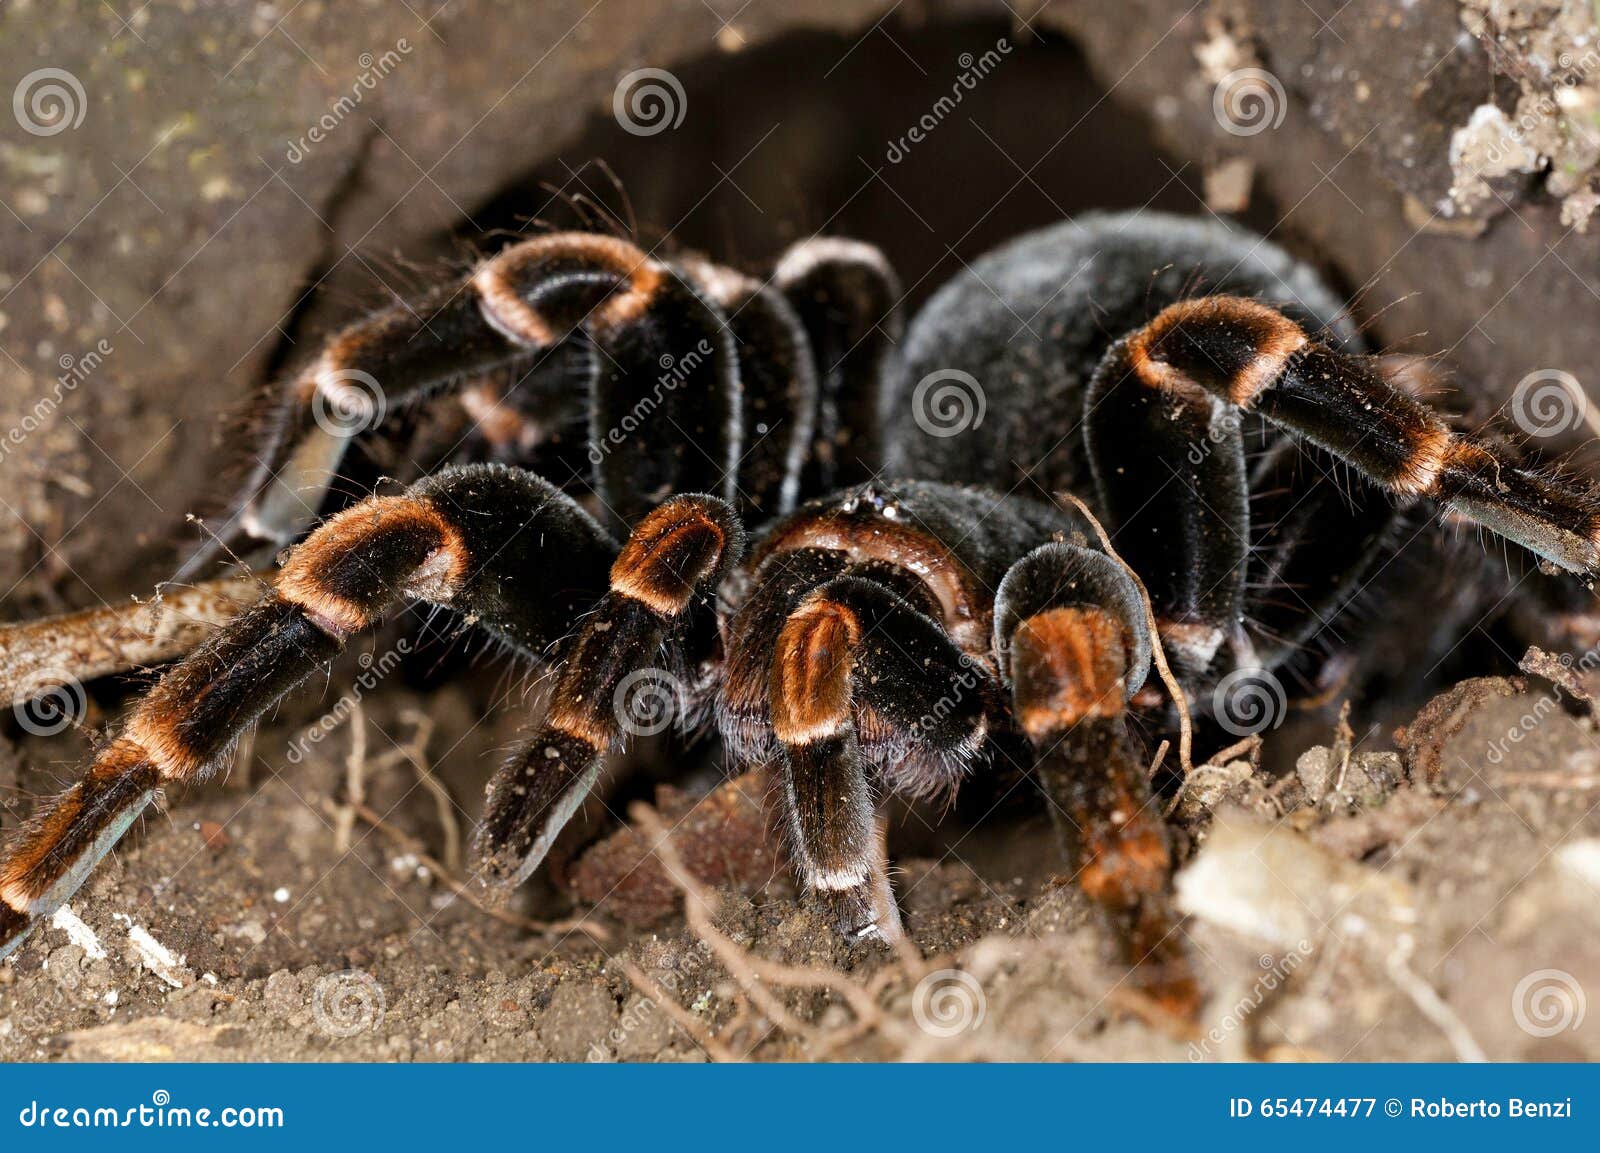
1030,322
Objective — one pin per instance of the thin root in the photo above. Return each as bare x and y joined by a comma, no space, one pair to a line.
697,1032
461,889
748,969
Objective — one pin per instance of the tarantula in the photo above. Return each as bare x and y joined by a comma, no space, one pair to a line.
912,598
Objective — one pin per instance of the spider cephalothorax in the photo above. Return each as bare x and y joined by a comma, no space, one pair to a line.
927,599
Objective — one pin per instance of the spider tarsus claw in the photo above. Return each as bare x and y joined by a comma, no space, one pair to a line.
852,916
867,913
874,934
490,877
530,802
497,873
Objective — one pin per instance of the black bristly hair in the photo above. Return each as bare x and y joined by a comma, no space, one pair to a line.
913,595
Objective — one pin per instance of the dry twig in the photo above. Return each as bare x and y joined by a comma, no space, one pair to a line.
462,888
96,643
748,969
697,1032
415,753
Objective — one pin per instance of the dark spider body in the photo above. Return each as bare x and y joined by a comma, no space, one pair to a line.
910,597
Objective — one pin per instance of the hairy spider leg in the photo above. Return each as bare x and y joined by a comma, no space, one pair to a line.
678,555
1316,542
1243,558
1071,635
860,677
1250,356
846,296
778,378
495,543
1170,477
663,353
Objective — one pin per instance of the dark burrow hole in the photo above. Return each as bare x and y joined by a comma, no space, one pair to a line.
813,133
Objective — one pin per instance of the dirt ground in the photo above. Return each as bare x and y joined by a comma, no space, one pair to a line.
1435,902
